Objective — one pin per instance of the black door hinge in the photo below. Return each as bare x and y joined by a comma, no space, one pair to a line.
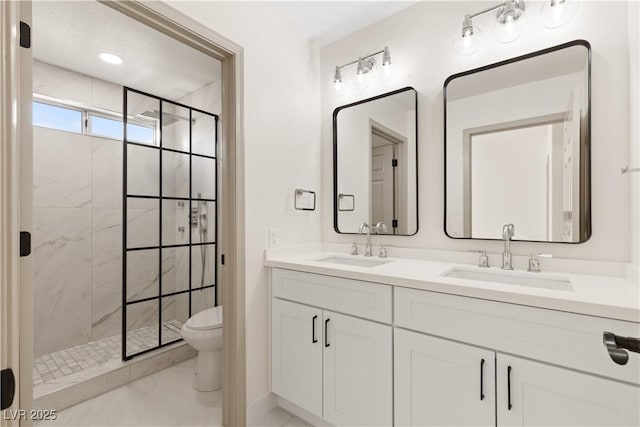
394,163
25,35
7,388
222,259
394,223
25,243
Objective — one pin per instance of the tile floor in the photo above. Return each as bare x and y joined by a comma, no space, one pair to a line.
52,366
161,399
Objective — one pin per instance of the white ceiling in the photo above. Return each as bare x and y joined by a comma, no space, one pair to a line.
71,34
324,22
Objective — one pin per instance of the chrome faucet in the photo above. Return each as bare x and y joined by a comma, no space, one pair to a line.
508,231
381,226
368,248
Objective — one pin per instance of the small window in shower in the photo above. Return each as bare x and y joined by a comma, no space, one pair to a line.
105,127
57,117
113,128
142,134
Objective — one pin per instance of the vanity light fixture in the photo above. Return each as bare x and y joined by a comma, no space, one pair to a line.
365,64
510,21
556,13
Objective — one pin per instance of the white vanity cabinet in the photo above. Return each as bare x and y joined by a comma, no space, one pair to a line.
336,366
437,379
296,367
443,383
361,353
538,394
357,377
440,382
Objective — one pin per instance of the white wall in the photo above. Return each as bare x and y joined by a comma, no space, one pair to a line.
282,149
77,218
424,57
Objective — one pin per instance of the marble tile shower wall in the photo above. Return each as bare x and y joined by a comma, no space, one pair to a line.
78,228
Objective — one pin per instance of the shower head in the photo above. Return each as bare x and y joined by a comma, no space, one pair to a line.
167,118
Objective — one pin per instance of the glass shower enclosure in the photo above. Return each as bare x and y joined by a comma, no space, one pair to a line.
170,217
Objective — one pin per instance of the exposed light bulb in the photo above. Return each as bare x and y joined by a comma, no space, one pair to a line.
467,42
337,86
510,22
556,13
387,72
337,80
364,66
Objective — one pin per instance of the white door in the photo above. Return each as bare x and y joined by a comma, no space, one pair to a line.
442,383
296,362
357,371
536,394
382,185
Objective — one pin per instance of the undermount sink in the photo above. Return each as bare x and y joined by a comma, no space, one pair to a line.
356,262
528,279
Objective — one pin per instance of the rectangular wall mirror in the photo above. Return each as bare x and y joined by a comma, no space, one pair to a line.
517,147
375,169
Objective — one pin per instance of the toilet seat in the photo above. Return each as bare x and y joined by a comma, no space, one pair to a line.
210,318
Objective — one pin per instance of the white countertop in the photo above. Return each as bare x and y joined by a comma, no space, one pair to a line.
615,297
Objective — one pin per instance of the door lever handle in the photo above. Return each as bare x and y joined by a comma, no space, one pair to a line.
617,347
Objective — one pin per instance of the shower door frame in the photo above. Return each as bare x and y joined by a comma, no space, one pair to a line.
161,198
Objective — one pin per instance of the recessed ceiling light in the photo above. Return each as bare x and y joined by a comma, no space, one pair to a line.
110,58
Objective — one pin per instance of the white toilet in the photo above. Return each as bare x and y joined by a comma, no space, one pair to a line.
204,333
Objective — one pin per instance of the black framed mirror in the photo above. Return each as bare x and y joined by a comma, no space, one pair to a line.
517,147
375,164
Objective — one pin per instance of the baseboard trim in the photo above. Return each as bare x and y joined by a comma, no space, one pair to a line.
259,408
301,413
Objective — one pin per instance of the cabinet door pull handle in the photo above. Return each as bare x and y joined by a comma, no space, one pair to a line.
509,406
481,379
313,330
326,336
617,347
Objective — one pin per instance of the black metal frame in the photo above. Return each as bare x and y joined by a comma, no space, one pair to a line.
160,197
336,203
585,147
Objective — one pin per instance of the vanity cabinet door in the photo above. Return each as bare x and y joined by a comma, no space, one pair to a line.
442,383
536,394
357,371
296,346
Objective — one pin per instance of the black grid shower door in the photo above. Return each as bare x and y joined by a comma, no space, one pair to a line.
169,261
